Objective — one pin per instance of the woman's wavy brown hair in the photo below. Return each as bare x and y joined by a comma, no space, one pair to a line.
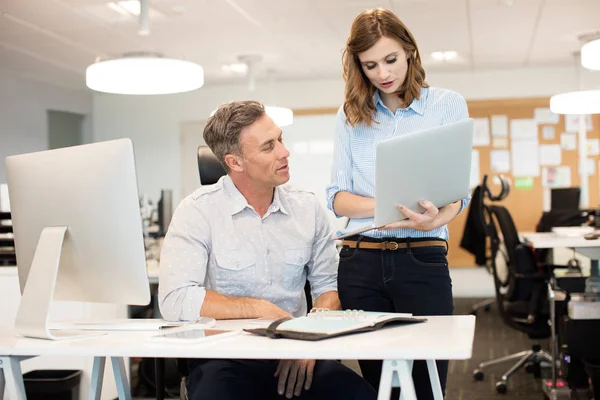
367,29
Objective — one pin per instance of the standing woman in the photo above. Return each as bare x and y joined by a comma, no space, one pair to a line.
386,95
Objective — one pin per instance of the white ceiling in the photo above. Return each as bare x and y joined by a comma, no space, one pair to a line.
54,40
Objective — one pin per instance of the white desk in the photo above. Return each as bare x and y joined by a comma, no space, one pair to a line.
588,248
441,337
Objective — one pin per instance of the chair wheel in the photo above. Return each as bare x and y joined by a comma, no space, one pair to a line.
478,375
501,387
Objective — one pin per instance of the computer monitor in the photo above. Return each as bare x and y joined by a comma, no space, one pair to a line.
565,199
77,229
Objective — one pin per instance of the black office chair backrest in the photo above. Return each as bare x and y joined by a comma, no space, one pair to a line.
209,167
521,259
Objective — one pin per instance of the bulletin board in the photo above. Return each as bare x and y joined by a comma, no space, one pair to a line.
526,199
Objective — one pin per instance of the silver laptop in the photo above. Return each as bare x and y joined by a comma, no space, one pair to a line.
432,164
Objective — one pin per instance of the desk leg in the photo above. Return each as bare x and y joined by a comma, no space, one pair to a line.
403,369
13,375
434,378
123,390
97,377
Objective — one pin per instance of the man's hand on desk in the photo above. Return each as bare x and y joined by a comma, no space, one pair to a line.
269,310
293,375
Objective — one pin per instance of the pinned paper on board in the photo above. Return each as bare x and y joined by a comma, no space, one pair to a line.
556,177
523,129
550,154
524,183
481,132
500,142
500,160
593,147
545,116
548,132
474,179
499,125
572,123
590,166
525,158
568,141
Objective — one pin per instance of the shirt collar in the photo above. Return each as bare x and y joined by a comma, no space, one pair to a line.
239,202
417,105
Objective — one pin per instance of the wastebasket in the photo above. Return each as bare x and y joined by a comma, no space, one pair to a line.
52,384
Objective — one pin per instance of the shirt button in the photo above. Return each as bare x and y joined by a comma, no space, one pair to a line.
237,264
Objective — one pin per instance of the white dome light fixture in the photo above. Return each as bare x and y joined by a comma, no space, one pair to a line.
590,55
578,102
144,74
282,116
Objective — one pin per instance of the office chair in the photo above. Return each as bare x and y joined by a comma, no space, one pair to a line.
523,301
475,238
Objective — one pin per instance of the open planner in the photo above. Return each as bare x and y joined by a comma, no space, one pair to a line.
327,324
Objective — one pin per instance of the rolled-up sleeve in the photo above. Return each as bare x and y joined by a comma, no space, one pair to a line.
458,110
323,265
183,264
341,169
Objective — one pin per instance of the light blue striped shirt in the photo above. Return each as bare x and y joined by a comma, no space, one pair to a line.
353,168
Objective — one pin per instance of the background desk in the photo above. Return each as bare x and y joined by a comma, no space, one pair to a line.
551,240
441,337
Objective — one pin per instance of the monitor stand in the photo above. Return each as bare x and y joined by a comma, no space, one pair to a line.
32,316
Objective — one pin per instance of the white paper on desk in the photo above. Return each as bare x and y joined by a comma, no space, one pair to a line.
500,160
593,147
500,142
481,132
545,116
525,158
4,201
499,125
548,132
568,141
572,123
523,129
556,177
550,154
474,179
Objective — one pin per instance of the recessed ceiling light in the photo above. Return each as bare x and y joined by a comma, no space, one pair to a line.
444,55
236,68
126,7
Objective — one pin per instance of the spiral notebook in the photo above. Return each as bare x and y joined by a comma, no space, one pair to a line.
327,324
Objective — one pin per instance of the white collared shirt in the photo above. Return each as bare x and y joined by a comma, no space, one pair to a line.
217,241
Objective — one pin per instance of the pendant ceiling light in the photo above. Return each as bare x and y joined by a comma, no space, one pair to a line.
282,116
590,53
144,73
578,102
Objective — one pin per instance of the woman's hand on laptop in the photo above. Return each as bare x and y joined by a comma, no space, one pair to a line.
425,221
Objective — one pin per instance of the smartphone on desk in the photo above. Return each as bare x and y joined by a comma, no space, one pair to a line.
193,335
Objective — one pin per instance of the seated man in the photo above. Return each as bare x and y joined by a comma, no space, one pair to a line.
238,249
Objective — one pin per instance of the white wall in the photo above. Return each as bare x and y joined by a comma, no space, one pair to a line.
154,122
23,106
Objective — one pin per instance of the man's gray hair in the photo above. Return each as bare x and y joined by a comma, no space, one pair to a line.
223,128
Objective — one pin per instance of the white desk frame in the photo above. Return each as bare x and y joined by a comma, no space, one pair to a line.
441,337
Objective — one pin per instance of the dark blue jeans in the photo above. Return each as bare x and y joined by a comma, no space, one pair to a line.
254,380
413,280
